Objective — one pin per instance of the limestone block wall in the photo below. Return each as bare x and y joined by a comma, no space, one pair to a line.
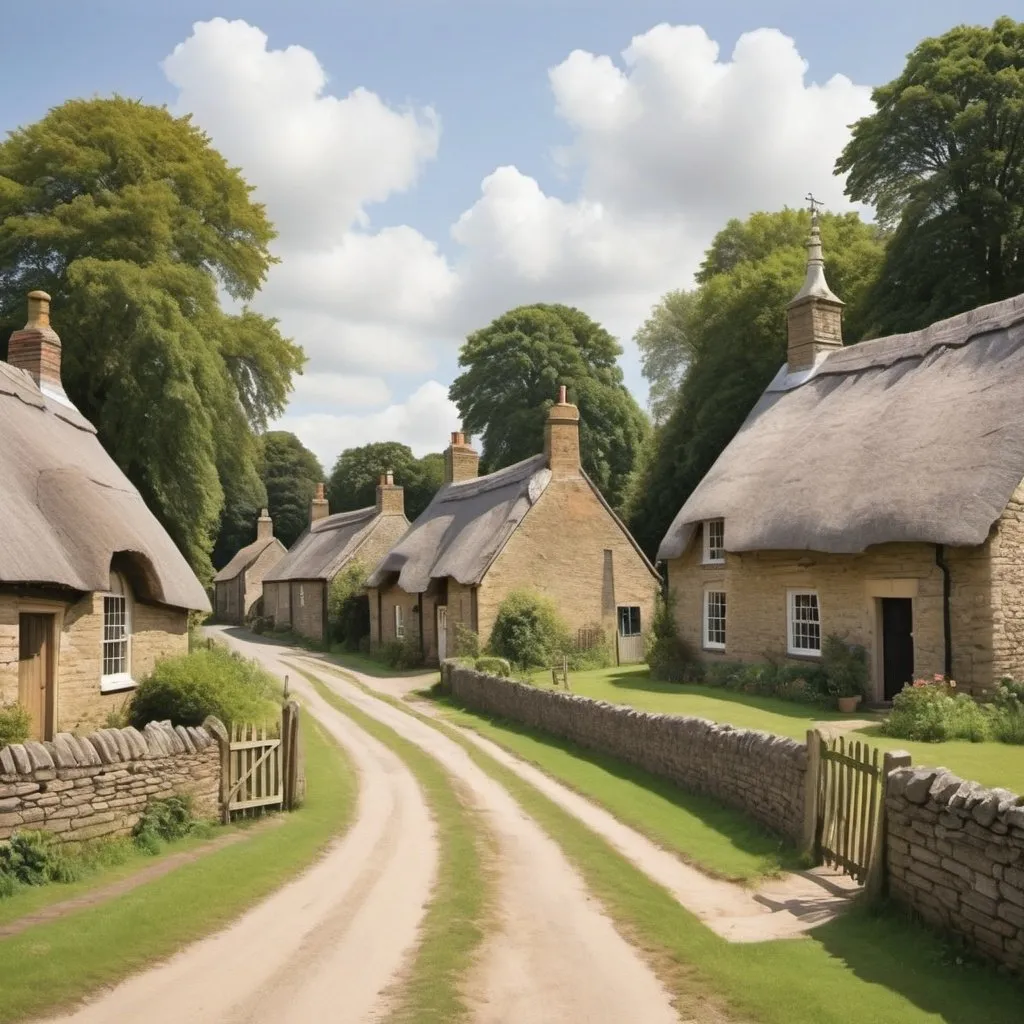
308,600
956,857
756,772
82,787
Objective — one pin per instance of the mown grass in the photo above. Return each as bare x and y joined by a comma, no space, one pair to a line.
50,965
453,926
991,764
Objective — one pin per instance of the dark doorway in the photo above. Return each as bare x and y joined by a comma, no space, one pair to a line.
897,644
35,672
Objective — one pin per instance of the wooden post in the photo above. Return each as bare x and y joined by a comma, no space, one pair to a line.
876,883
812,786
285,751
290,754
215,727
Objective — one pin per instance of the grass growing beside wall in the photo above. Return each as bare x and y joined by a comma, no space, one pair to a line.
50,965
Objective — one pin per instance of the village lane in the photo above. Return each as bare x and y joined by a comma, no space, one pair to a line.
326,946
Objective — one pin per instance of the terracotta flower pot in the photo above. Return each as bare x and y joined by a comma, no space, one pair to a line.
847,705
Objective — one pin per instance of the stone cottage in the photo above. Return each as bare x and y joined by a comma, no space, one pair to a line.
541,524
92,589
239,585
295,591
874,492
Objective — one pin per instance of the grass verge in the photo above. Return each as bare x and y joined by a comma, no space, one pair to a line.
454,922
50,965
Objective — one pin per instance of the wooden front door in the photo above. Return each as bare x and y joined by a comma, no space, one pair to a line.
897,644
35,671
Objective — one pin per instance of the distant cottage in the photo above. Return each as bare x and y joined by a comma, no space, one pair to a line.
239,585
541,524
295,591
92,589
873,492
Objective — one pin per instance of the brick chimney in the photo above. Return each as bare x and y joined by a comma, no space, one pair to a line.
390,496
461,462
264,525
318,507
36,347
562,437
815,316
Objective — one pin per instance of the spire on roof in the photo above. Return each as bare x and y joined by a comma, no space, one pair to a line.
815,286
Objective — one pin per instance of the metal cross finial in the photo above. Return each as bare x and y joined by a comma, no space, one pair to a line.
816,204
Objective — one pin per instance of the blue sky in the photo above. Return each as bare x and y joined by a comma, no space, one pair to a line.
483,70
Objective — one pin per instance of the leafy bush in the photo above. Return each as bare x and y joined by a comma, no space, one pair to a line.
671,658
932,710
493,666
402,654
1007,712
806,685
117,717
348,607
466,642
528,631
592,648
845,666
163,821
35,858
15,723
207,682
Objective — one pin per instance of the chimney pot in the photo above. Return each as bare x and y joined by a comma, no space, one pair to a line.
318,507
561,395
319,492
461,462
38,309
562,438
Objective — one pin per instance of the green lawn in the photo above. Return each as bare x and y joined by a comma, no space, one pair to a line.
372,667
50,965
992,764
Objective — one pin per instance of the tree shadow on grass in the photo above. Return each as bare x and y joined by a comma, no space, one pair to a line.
743,832
889,947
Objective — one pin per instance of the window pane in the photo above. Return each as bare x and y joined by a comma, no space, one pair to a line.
716,539
806,624
714,618
115,636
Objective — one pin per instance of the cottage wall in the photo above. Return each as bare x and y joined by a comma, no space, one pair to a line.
253,576
1006,596
391,597
307,608
386,532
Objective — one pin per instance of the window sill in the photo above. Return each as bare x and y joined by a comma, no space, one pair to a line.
804,655
712,562
713,648
114,684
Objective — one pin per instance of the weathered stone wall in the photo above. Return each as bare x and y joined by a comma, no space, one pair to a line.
756,772
956,857
253,576
1007,592
82,787
308,598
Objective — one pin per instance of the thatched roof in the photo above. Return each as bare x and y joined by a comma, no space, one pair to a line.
67,509
244,557
322,551
915,437
464,528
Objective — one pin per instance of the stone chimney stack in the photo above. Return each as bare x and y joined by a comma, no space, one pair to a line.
264,526
562,437
390,497
36,347
815,316
318,507
461,462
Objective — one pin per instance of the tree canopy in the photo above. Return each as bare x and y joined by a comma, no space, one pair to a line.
132,222
290,473
942,160
665,340
353,482
513,368
737,343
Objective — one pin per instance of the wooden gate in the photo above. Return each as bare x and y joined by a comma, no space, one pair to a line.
255,779
849,805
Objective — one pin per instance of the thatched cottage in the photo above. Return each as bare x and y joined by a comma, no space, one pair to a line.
295,591
92,589
540,524
239,585
873,492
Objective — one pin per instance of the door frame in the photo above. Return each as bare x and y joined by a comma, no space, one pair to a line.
438,609
876,589
56,610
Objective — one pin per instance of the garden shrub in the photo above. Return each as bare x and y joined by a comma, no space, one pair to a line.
845,666
348,607
528,630
163,821
214,681
466,642
15,723
35,858
803,684
493,666
671,658
591,649
1006,713
931,710
402,654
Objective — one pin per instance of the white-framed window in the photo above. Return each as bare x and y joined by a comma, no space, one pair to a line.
629,620
714,541
803,622
399,623
117,636
714,619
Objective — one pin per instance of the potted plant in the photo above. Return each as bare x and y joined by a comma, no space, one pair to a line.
846,671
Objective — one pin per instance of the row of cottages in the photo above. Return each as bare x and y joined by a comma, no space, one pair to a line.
295,591
92,589
874,492
540,524
239,585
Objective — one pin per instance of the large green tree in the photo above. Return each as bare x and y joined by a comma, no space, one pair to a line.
290,473
942,161
353,482
738,342
665,340
513,368
133,222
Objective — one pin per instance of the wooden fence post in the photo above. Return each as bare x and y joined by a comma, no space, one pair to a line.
812,786
290,754
875,885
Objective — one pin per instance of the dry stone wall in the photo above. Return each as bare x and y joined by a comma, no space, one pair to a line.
956,856
756,772
82,787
